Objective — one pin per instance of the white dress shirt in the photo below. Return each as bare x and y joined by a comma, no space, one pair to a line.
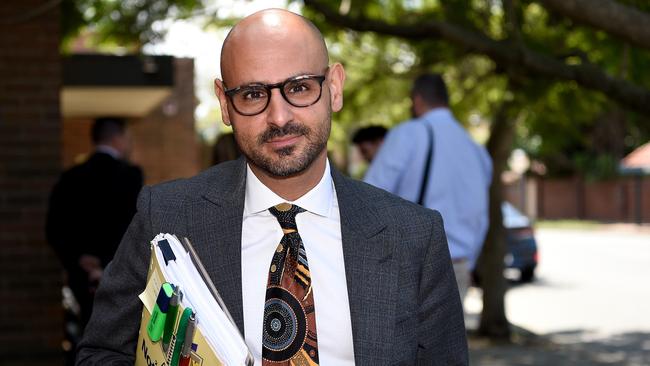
110,150
320,229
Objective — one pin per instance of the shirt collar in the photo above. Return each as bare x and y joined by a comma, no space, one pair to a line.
106,149
260,198
438,112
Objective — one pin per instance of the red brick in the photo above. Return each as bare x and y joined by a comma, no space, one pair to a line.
178,156
30,76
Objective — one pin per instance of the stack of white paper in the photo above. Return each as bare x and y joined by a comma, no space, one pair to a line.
212,318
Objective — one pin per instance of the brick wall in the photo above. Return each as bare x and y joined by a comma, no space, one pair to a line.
165,143
606,201
76,141
638,195
559,199
624,199
30,148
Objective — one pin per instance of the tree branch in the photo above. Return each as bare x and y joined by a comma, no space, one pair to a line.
622,21
503,53
512,23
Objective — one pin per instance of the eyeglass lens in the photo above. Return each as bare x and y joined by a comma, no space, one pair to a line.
300,92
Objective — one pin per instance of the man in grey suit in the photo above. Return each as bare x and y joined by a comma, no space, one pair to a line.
373,271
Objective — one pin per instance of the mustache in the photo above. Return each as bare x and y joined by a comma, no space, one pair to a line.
289,129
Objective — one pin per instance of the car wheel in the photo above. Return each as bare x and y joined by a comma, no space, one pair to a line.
527,274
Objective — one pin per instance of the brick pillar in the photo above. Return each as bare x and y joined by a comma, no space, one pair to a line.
30,275
165,143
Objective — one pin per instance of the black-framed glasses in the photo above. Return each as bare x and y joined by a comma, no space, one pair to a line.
300,91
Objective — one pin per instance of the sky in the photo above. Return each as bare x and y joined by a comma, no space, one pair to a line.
187,38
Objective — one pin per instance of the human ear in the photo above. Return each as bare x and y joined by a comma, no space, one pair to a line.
336,81
220,91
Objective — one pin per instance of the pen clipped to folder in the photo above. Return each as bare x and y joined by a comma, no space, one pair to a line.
184,337
185,322
170,321
176,341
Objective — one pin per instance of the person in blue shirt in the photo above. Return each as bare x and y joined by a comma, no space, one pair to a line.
460,172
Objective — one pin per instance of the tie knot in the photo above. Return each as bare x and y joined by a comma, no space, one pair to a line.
286,215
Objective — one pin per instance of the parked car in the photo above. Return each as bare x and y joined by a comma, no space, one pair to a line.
520,240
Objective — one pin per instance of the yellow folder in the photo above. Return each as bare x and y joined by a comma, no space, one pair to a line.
150,353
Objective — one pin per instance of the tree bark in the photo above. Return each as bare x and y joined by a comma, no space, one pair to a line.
490,266
617,19
514,59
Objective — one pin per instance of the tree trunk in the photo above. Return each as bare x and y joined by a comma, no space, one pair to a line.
494,323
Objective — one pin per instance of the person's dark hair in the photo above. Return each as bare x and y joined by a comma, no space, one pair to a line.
225,148
432,89
105,128
370,133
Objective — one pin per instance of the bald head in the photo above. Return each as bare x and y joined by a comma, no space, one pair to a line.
269,33
283,133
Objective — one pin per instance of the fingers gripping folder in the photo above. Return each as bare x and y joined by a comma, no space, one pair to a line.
179,324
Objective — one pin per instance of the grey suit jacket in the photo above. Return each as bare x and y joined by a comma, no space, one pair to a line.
404,304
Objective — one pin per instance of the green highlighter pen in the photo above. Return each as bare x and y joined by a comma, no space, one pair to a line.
180,336
156,324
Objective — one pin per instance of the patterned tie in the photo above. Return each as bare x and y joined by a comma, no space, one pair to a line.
289,317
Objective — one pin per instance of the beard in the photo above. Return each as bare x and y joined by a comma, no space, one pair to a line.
290,160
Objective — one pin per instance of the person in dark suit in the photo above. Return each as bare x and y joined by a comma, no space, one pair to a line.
368,140
90,209
369,274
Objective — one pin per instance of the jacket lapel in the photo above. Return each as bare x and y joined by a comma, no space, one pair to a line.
215,230
215,222
371,273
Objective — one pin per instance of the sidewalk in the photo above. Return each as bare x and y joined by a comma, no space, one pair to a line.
631,349
588,305
570,224
578,347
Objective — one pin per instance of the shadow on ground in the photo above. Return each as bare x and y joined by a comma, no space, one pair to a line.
565,348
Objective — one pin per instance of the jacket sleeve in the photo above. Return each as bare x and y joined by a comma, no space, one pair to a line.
441,330
111,335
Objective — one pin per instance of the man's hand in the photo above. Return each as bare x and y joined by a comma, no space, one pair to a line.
89,262
93,268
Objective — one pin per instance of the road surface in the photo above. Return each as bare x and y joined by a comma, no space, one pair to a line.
591,299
